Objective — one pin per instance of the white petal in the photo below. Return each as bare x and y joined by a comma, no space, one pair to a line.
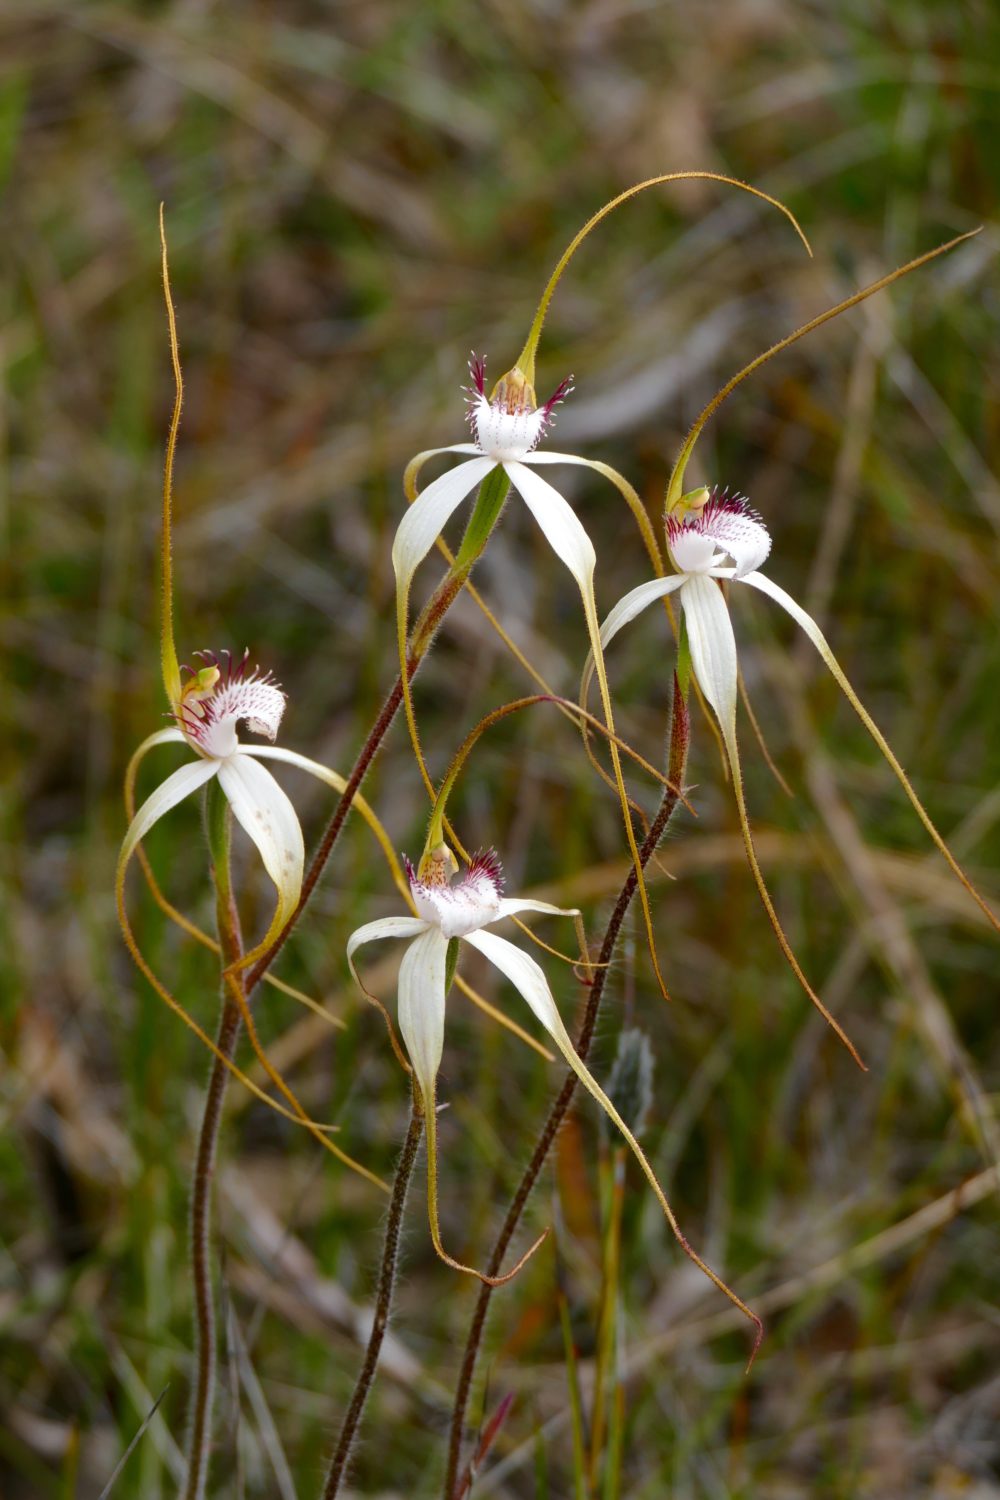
383,927
178,785
563,530
458,909
267,815
692,550
546,456
172,736
429,514
527,978
636,601
292,758
819,640
421,1005
511,907
745,539
713,647
802,619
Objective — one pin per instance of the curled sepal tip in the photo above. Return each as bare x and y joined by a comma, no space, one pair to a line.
673,495
529,980
526,360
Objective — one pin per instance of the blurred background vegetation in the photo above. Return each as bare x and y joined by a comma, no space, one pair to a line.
356,196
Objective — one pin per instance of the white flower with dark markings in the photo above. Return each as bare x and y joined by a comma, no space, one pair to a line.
507,427
217,697
704,531
450,914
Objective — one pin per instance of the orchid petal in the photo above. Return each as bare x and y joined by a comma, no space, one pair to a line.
527,977
713,657
560,524
171,736
427,517
178,785
546,456
381,928
806,623
509,907
623,487
421,1007
265,812
422,977
372,932
573,546
638,599
713,649
332,779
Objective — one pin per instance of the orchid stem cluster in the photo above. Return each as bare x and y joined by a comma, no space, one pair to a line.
712,541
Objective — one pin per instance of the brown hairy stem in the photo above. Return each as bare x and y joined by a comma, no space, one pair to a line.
423,633
202,1397
383,1303
679,736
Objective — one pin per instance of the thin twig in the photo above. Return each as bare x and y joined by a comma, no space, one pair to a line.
383,1303
119,1466
423,633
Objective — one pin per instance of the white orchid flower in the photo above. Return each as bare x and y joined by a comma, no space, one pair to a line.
703,531
218,697
448,914
508,426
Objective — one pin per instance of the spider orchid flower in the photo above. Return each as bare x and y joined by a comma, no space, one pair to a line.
704,529
507,426
216,698
447,915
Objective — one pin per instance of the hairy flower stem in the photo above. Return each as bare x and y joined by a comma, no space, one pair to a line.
219,822
677,760
383,1303
421,637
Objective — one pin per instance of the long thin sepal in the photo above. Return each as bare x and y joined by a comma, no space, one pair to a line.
422,983
138,957
378,931
168,651
807,624
528,979
713,657
526,360
676,483
265,812
571,544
